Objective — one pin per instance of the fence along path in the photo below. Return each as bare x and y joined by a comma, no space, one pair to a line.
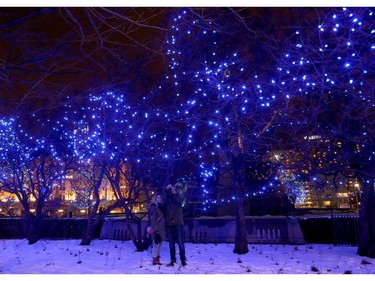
345,230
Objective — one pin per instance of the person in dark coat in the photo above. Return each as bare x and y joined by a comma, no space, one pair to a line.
157,226
174,224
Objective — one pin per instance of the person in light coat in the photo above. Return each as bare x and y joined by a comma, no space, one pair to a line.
157,226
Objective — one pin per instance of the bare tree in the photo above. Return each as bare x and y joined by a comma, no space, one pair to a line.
111,140
216,89
255,93
32,169
52,57
326,72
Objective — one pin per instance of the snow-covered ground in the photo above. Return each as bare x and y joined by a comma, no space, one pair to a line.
119,257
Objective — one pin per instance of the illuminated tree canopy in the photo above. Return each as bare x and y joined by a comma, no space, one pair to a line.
276,98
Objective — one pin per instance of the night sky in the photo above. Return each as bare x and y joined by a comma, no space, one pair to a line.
50,53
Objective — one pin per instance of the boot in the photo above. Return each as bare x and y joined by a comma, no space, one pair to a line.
171,263
158,260
155,261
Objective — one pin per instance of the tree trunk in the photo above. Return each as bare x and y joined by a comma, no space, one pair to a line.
32,226
366,246
92,220
91,224
140,240
241,243
89,232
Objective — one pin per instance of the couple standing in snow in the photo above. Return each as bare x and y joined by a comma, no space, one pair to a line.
167,221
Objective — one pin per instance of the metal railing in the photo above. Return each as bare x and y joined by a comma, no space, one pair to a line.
345,230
